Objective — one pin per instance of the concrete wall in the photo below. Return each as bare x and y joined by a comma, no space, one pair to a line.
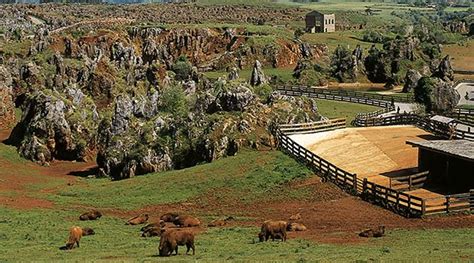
316,22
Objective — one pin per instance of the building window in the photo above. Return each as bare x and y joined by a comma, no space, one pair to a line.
333,21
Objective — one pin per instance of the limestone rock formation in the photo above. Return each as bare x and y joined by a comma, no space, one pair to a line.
7,107
411,80
437,95
53,128
444,70
258,77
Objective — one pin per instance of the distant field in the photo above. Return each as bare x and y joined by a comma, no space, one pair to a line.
336,109
462,55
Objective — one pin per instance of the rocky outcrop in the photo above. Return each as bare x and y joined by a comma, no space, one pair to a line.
437,95
258,77
411,80
53,128
223,120
235,99
444,70
7,107
444,98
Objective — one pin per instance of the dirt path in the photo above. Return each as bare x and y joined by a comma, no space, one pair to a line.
21,181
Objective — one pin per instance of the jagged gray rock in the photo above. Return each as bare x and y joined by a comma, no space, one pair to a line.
258,77
445,70
411,80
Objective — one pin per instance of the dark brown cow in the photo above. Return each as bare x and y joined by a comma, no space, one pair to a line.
152,232
186,221
172,238
378,232
91,215
220,222
273,229
169,217
137,220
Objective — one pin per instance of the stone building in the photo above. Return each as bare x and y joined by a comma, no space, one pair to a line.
319,22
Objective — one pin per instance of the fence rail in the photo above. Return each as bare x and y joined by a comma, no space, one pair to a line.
436,127
465,116
384,101
394,199
311,127
408,182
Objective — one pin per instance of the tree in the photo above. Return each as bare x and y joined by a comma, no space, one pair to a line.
174,101
182,68
343,64
376,66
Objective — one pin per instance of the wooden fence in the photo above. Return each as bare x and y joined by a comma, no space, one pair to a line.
394,199
384,101
311,127
433,126
465,116
455,203
408,182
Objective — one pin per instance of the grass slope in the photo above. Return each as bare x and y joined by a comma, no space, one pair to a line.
37,235
261,173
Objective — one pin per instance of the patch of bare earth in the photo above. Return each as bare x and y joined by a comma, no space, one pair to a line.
16,180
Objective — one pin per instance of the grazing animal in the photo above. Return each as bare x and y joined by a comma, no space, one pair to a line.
220,222
171,239
273,229
295,217
137,220
75,234
169,217
378,232
91,215
296,227
186,221
152,232
87,231
160,224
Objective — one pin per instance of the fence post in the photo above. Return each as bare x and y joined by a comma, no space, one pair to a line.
364,185
423,207
471,200
410,180
447,203
355,182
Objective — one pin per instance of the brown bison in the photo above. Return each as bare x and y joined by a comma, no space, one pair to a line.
169,217
171,239
220,222
137,220
296,227
378,232
295,217
75,234
186,221
152,232
160,224
91,215
273,229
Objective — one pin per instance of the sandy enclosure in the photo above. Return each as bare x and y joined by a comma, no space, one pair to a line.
368,152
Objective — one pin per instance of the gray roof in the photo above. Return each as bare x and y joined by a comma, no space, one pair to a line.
442,119
459,148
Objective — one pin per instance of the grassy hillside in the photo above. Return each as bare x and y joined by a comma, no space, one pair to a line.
261,173
36,236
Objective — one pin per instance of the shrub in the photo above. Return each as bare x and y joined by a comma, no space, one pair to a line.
174,101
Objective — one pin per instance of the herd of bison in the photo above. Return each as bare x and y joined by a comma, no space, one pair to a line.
173,230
